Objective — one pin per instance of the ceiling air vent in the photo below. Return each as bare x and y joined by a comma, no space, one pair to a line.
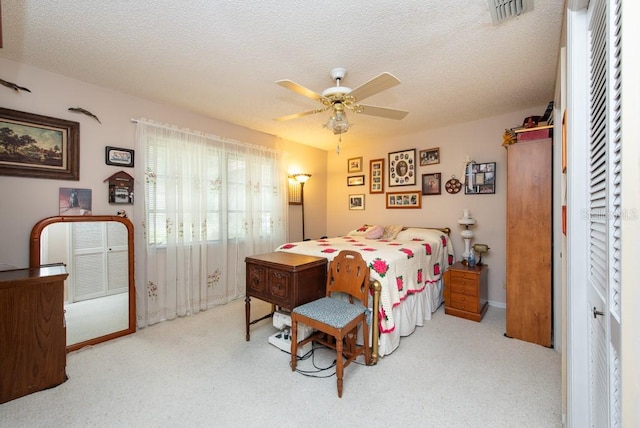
501,10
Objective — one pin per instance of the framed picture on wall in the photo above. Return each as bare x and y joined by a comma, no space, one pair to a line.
430,156
480,178
39,146
431,184
356,202
354,165
404,199
119,157
355,180
402,168
376,176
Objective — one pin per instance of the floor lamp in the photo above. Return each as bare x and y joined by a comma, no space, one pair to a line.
302,178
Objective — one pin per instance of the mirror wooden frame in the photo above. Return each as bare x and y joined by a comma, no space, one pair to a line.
34,261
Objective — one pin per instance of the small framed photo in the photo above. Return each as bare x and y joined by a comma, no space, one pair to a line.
355,180
376,176
119,157
356,202
72,201
430,156
354,165
431,184
404,199
402,168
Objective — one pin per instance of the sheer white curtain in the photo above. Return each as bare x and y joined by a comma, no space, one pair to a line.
207,203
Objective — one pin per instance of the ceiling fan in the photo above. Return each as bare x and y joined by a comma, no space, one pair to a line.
339,99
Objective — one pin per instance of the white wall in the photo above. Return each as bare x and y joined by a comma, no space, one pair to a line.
481,140
24,201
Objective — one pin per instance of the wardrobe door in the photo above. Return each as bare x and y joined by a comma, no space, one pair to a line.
529,233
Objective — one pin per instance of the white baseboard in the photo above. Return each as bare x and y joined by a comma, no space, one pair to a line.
501,305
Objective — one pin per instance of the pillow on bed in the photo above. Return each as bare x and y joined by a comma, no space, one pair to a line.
391,232
361,231
374,232
418,233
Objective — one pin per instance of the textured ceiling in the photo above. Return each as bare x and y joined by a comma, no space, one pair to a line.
222,58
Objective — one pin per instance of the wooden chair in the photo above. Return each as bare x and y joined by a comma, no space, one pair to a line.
336,320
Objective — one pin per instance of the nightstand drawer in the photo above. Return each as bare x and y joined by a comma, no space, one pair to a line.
461,275
464,302
469,288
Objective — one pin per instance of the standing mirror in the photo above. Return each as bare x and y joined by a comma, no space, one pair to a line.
100,291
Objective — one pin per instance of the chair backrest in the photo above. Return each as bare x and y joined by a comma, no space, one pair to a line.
349,274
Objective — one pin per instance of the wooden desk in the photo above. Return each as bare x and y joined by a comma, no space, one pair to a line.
33,338
285,280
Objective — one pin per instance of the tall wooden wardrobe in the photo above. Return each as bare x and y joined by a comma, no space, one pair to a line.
529,241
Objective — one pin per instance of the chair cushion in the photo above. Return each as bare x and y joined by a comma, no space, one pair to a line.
333,312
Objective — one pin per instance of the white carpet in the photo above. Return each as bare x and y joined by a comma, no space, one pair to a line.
200,372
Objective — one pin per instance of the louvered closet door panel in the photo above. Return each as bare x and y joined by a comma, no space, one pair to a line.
529,242
88,266
117,258
604,250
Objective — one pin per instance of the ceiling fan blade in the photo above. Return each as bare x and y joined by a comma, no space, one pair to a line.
389,113
375,85
299,89
297,115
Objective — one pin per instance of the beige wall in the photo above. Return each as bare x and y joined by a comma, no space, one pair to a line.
24,201
481,140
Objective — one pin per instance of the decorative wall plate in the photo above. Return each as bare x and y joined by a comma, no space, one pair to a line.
453,185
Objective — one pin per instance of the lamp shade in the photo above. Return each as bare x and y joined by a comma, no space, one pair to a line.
301,178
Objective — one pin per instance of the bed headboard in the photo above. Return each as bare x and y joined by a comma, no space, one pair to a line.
446,230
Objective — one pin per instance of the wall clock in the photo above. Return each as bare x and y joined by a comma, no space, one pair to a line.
453,185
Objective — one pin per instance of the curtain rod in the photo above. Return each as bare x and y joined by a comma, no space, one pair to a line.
202,134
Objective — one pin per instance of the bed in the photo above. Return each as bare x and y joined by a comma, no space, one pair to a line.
406,263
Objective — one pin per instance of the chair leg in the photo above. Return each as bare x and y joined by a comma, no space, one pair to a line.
339,364
294,344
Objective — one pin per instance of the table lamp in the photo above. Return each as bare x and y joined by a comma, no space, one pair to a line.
480,249
466,234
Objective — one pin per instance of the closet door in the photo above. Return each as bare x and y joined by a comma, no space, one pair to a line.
605,214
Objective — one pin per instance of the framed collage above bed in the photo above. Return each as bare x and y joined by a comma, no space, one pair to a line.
402,170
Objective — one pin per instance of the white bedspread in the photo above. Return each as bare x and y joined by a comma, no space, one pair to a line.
403,266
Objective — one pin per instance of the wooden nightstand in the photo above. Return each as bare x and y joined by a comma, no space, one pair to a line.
465,291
